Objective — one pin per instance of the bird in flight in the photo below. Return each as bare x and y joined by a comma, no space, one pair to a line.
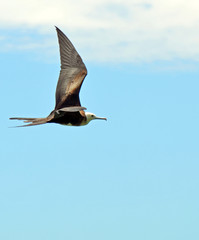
68,109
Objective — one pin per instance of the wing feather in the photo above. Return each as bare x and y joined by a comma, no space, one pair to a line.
73,71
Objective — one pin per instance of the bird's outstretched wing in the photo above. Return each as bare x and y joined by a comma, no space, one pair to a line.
73,71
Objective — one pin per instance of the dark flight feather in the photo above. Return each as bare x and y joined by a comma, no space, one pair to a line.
73,71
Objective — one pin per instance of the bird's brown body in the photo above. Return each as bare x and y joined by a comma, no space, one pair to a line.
68,109
68,118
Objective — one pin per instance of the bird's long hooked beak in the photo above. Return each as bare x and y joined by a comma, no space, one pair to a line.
100,118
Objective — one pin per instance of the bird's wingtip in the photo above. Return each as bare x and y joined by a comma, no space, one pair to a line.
57,29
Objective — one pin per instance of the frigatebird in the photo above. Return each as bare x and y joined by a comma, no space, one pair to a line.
68,109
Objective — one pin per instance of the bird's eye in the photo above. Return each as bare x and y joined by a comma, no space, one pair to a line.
92,115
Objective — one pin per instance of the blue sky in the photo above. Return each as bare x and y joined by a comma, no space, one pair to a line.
132,177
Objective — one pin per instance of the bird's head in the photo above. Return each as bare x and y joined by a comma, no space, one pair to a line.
92,116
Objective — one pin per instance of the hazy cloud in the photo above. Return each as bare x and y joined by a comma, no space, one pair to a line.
111,30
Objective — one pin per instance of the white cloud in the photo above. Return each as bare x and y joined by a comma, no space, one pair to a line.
113,30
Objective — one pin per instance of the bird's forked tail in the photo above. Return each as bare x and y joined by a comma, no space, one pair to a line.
31,121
